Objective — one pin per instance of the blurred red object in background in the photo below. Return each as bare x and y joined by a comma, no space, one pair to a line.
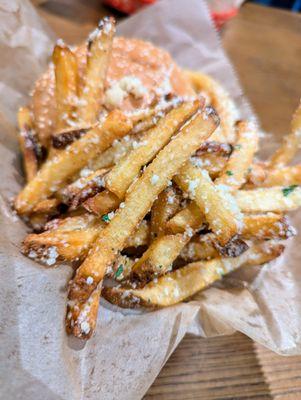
221,10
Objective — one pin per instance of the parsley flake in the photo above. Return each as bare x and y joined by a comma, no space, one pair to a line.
229,173
105,218
119,271
238,146
289,189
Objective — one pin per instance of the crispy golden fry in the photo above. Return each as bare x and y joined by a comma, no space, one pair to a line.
222,149
257,174
88,180
137,203
220,101
291,142
55,172
47,206
266,226
123,174
98,55
102,203
158,258
219,209
92,188
275,199
165,207
282,176
62,139
28,143
72,238
236,169
66,87
183,283
203,249
189,217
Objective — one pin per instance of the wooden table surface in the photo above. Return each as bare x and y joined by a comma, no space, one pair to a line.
264,44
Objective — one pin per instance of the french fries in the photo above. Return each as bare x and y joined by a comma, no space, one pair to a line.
28,144
99,49
54,173
154,179
130,197
290,144
123,174
163,209
66,86
219,209
183,283
235,172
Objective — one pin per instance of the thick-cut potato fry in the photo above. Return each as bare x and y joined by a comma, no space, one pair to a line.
102,203
66,87
55,172
291,142
99,49
220,101
240,160
28,143
71,240
158,258
218,207
137,203
123,174
282,176
275,199
183,283
189,217
165,207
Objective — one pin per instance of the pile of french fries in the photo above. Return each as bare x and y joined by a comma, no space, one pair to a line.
154,206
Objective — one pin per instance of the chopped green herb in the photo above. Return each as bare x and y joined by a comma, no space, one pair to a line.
249,170
229,173
119,271
105,218
160,266
238,146
289,189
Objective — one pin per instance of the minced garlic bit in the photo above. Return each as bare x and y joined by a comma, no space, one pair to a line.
154,179
127,85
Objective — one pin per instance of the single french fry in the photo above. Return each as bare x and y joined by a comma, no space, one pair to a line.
158,258
163,209
98,55
203,249
220,101
213,147
219,209
71,239
95,183
283,176
291,142
137,203
55,172
266,226
47,206
275,199
236,169
183,283
102,203
189,217
123,174
66,87
90,179
28,143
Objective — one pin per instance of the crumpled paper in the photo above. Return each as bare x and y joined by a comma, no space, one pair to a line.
122,360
